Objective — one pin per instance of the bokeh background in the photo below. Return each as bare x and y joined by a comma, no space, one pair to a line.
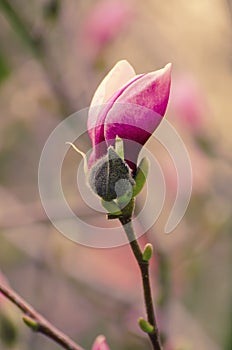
53,55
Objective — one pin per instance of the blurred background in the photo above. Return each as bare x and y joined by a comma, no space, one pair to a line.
53,55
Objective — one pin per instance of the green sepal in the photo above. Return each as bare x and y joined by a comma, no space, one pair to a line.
146,326
125,199
119,148
31,323
141,176
111,207
148,251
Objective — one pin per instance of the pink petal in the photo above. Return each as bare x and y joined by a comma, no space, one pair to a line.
132,113
117,77
151,91
133,135
96,122
100,343
137,111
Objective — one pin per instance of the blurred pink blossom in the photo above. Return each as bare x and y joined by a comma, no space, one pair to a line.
100,343
188,102
106,20
201,179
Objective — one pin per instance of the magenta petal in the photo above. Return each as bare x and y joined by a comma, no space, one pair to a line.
97,133
135,127
151,91
138,111
133,113
131,122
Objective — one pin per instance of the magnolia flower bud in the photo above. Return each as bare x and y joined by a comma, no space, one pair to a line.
110,177
129,106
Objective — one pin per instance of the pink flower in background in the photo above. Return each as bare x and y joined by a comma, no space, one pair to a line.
106,20
129,106
188,103
100,343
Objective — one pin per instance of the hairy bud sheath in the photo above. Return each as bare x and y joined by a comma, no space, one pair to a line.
110,177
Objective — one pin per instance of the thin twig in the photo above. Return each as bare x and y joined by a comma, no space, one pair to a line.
37,322
144,269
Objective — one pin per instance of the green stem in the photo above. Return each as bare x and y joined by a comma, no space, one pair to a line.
144,269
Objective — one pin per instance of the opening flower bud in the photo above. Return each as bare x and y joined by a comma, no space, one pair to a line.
110,177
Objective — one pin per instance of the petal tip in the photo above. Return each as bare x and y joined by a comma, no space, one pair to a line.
167,70
123,62
100,343
168,66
